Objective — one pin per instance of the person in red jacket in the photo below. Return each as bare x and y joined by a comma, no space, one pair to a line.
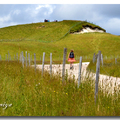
71,58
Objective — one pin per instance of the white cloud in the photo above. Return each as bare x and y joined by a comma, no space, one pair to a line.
32,11
73,11
16,12
36,11
95,17
113,21
40,6
27,10
5,18
49,9
111,25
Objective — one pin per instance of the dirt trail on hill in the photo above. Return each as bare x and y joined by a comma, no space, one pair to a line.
109,84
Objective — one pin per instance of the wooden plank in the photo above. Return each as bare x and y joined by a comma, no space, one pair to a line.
29,58
102,59
97,75
35,61
22,59
43,63
64,61
26,58
79,73
50,65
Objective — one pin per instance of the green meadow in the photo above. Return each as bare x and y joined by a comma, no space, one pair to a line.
83,44
26,93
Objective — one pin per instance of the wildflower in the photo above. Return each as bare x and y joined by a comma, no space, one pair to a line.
66,93
37,84
10,105
54,91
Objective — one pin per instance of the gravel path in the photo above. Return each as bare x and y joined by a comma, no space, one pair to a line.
109,84
57,69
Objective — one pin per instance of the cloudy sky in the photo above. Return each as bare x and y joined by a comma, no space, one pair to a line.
105,15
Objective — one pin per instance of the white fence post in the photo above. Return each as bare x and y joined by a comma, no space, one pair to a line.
29,58
97,75
43,63
64,61
79,73
26,58
50,65
20,57
35,61
102,59
23,59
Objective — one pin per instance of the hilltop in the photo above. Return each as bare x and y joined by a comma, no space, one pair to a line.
45,31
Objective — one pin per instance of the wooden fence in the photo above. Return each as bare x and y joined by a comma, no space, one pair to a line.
26,61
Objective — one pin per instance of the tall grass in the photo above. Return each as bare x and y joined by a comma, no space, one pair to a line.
33,95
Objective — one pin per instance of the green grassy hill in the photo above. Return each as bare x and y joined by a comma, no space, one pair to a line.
52,37
47,31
